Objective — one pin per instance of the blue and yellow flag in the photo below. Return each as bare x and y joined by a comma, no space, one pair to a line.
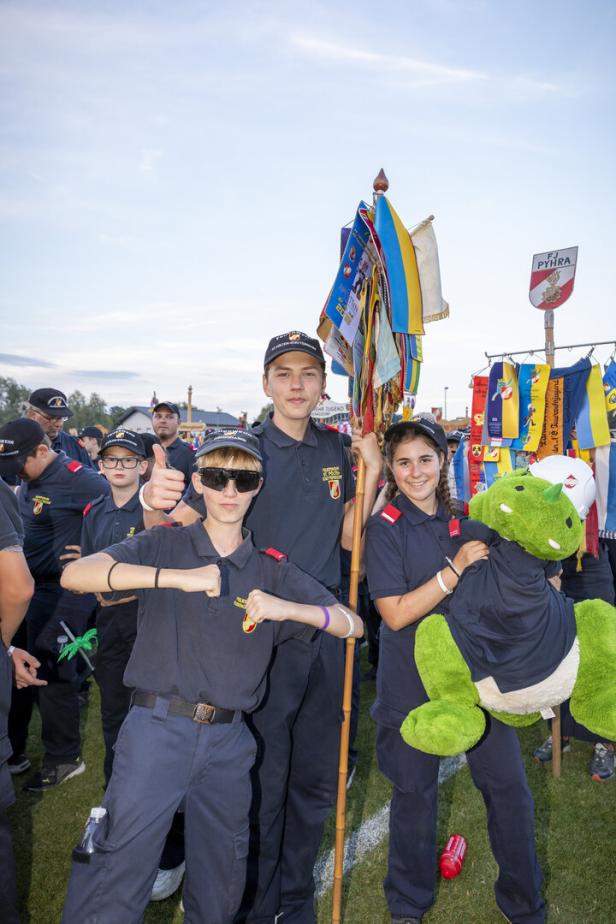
609,386
591,425
533,381
401,263
502,408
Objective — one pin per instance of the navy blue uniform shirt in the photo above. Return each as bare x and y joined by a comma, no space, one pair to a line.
300,507
181,456
51,508
508,621
104,523
71,446
11,536
400,557
193,646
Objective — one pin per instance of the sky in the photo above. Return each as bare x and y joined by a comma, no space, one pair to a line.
174,176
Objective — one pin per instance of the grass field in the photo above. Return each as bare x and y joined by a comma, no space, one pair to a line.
575,834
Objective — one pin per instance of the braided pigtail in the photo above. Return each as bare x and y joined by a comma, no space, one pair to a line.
442,491
391,488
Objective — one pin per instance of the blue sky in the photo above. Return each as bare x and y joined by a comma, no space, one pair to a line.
173,177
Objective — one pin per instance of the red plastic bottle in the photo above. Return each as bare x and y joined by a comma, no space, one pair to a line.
451,860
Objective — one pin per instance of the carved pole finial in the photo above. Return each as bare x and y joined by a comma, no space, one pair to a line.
381,183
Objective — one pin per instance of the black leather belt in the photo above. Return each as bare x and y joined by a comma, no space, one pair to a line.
203,713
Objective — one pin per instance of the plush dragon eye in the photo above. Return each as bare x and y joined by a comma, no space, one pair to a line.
519,487
568,522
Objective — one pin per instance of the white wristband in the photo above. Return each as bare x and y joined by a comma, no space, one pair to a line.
142,501
10,650
349,619
442,584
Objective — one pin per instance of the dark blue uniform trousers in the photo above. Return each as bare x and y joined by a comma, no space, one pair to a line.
295,778
498,772
163,762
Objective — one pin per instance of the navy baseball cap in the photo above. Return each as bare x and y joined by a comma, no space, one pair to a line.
17,439
294,340
420,424
230,439
149,440
50,401
455,436
169,405
124,438
91,431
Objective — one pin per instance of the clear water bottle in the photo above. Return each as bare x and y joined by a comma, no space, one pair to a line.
95,825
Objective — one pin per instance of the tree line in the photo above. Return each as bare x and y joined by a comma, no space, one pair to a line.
87,412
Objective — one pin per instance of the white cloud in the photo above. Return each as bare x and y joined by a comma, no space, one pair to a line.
150,158
425,72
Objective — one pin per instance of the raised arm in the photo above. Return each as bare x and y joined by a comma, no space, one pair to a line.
100,572
341,622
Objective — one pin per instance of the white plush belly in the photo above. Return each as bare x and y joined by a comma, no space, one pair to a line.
550,692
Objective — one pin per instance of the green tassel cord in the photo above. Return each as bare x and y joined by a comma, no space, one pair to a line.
84,642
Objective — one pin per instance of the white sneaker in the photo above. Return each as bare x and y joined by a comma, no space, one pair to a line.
167,882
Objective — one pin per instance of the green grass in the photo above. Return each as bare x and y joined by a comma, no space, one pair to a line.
575,838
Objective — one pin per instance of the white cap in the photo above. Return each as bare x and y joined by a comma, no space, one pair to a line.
576,477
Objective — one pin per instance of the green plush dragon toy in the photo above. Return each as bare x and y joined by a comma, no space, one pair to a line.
511,644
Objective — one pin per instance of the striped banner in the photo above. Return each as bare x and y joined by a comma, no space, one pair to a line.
591,424
532,385
402,272
605,477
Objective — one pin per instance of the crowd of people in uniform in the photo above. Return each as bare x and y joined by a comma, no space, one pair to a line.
218,585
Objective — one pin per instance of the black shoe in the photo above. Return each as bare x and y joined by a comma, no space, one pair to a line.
18,763
50,777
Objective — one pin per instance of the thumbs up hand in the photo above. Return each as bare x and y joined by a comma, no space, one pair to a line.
166,485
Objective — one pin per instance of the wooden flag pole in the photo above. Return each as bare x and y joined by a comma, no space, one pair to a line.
548,324
380,186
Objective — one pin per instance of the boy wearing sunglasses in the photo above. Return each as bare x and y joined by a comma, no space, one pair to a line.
306,510
211,614
107,520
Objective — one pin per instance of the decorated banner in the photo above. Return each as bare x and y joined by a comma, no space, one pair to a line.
552,277
433,305
344,303
609,386
502,408
498,469
532,385
461,472
480,393
402,272
574,380
551,443
591,424
605,477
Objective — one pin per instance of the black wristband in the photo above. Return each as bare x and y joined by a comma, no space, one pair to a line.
158,570
451,565
114,565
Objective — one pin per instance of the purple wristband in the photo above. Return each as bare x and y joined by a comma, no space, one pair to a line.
326,623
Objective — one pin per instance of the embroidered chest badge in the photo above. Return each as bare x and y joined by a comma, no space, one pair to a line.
332,475
38,503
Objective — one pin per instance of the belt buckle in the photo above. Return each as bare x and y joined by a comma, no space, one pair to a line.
204,713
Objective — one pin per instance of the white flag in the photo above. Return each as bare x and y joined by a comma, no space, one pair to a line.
426,252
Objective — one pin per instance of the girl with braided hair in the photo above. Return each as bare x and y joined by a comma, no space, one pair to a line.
414,561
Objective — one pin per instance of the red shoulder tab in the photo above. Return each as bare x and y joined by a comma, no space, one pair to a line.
391,513
454,528
274,553
87,509
333,429
74,465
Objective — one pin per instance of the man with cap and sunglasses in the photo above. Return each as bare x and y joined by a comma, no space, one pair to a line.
49,407
304,510
52,498
211,616
165,423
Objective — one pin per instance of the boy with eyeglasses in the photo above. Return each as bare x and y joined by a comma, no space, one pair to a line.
212,613
107,520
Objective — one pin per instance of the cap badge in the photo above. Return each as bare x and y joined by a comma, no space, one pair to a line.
56,402
294,335
119,435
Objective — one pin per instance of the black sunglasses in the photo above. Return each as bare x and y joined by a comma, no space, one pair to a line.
219,478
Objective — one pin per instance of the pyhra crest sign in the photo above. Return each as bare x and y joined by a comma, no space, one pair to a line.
552,277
